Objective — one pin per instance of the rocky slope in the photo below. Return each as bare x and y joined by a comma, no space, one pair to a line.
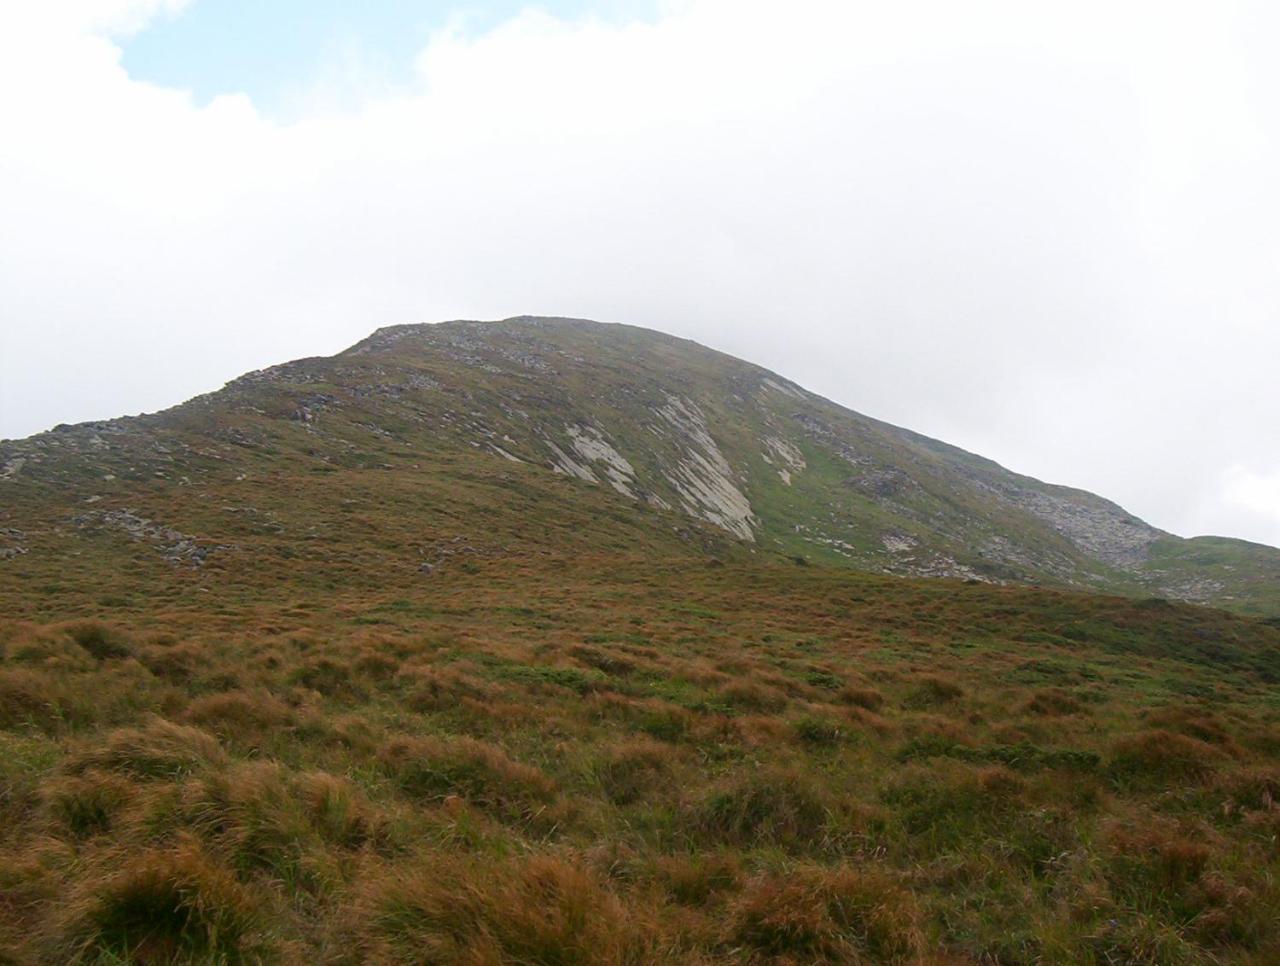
534,434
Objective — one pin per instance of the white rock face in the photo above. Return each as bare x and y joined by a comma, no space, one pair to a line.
562,462
703,477
504,454
785,390
594,448
790,457
897,542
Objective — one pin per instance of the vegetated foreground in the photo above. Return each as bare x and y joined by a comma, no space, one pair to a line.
607,756
492,643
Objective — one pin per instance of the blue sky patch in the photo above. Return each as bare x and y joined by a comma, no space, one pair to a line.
281,52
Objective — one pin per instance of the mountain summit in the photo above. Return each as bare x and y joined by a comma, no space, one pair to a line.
545,641
595,433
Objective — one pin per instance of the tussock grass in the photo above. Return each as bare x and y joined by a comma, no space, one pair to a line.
163,905
840,915
575,762
432,768
159,749
537,910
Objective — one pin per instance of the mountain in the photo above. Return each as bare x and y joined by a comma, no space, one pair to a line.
659,431
544,641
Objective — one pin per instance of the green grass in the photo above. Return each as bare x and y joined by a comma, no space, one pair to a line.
594,731
752,784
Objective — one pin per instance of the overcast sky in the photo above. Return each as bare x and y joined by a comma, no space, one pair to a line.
1043,231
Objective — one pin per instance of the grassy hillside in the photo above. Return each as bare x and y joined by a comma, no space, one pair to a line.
652,421
331,666
605,757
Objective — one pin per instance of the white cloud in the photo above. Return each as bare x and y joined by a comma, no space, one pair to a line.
1254,497
1042,231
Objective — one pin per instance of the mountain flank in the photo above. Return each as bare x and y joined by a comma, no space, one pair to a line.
548,642
662,431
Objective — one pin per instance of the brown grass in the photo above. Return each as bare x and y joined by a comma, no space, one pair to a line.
842,915
159,906
538,910
158,749
431,768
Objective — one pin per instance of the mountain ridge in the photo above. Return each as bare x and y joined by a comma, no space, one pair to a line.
667,424
447,648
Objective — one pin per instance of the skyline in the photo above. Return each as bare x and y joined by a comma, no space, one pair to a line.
1044,236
